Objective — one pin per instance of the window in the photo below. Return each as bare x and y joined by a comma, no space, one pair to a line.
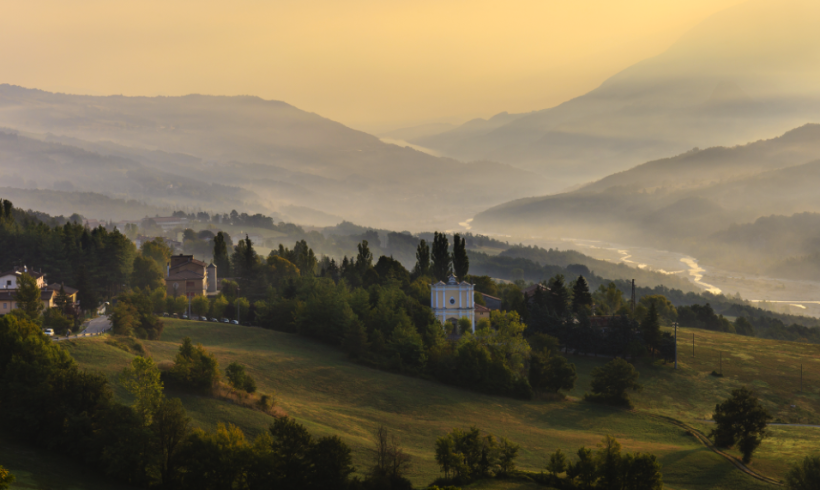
452,300
5,306
189,284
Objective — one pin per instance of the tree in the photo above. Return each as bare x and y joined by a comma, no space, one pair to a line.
364,258
651,329
461,263
147,274
28,297
506,460
218,306
551,372
170,427
142,379
741,420
558,296
158,251
557,463
124,319
332,463
200,305
239,378
641,472
6,478
422,267
54,318
195,367
611,382
584,469
176,306
581,297
390,462
241,308
86,295
804,475
609,464
667,313
221,259
440,254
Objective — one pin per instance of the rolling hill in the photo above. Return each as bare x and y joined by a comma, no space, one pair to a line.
330,395
678,201
264,155
743,74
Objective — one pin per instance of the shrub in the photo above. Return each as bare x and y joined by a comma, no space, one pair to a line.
194,367
611,382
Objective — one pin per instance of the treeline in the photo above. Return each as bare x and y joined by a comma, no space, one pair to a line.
49,402
97,262
466,456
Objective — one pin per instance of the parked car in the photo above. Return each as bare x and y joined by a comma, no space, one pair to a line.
225,320
165,314
49,332
204,318
235,322
184,317
214,320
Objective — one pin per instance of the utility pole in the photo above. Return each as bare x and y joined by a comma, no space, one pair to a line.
676,344
721,363
801,378
633,298
693,345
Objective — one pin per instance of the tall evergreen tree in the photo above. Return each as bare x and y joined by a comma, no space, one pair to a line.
581,297
558,297
221,259
441,257
422,259
86,295
364,259
461,263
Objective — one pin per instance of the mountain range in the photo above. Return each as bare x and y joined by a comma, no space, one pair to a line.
744,74
212,153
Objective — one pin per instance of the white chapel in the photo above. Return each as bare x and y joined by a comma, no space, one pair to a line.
453,300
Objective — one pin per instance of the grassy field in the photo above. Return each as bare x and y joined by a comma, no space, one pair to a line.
330,395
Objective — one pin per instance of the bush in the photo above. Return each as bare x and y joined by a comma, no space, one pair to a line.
804,475
194,367
239,378
611,382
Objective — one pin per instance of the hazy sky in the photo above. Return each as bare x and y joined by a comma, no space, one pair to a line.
372,64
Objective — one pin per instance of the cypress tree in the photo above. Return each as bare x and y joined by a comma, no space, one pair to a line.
441,257
221,260
422,259
461,263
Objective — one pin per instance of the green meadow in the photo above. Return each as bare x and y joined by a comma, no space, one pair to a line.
318,386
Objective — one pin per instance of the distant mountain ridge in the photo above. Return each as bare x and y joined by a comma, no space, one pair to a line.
277,156
741,75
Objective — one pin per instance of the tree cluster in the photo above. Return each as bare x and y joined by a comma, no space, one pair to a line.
465,455
740,420
607,468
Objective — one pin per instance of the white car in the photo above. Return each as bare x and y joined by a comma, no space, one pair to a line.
235,322
49,332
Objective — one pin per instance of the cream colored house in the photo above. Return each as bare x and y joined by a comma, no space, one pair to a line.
453,301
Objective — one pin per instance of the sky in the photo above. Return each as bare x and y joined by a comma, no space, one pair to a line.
374,65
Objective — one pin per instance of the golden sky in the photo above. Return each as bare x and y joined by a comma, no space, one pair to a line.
371,64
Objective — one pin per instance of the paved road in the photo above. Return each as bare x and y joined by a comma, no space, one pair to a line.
98,325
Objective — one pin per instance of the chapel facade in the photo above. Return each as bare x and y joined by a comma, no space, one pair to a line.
453,301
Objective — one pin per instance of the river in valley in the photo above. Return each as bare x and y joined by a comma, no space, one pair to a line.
780,295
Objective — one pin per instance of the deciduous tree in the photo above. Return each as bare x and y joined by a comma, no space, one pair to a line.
740,420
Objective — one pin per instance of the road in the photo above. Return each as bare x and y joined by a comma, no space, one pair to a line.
98,325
